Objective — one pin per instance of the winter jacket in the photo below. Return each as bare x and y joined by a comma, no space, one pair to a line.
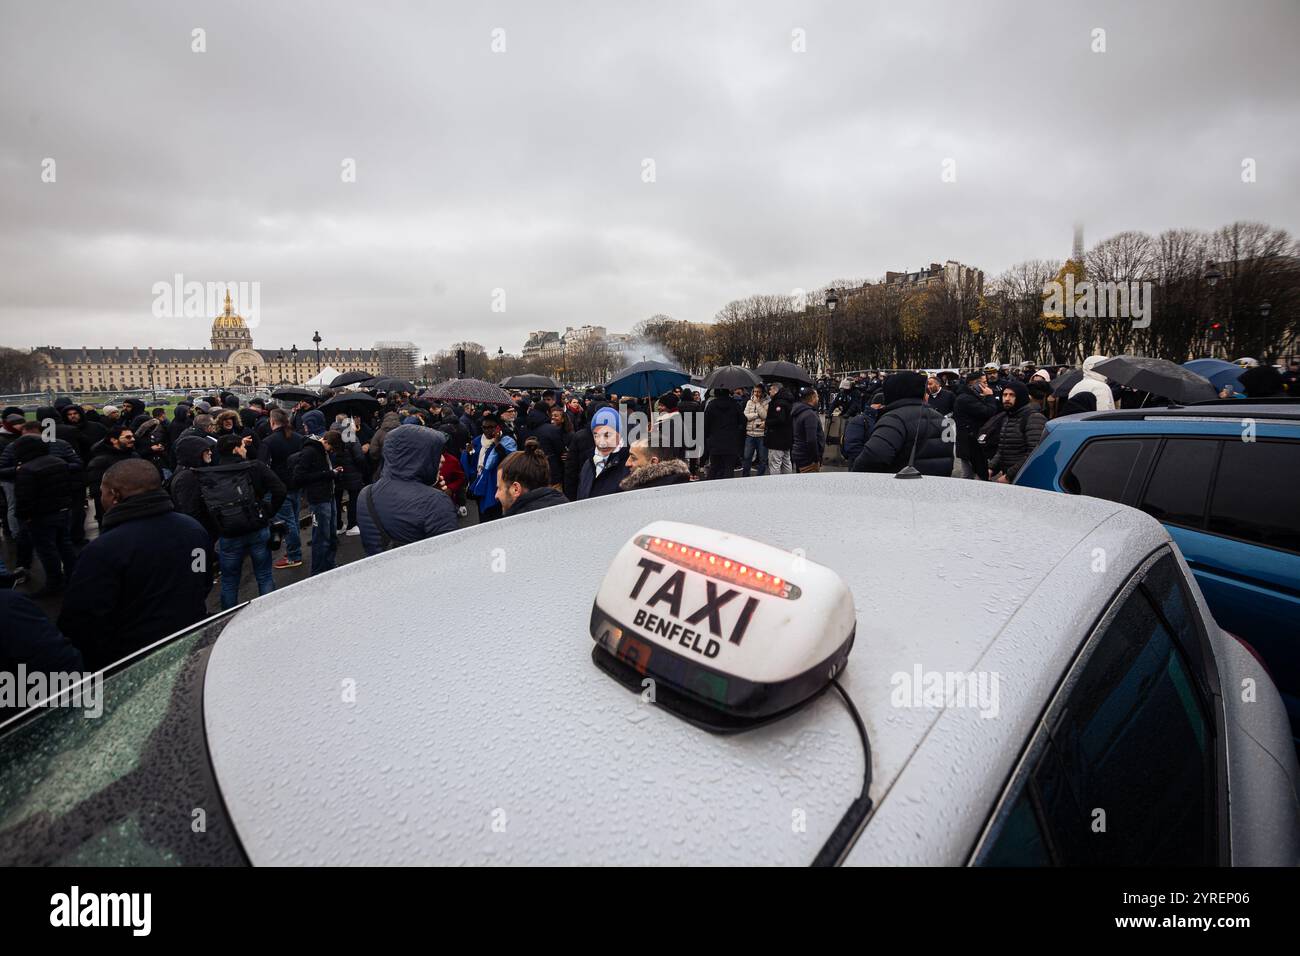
1022,430
104,457
275,451
536,500
970,412
581,446
905,424
551,439
1096,383
139,581
405,500
724,428
778,434
591,485
483,487
943,401
809,441
313,474
390,421
28,638
44,484
755,417
661,474
855,436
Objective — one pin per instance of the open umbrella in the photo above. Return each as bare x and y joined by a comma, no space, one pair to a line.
390,385
530,381
296,393
353,377
731,376
350,403
646,379
1065,381
1160,377
1219,372
785,372
471,390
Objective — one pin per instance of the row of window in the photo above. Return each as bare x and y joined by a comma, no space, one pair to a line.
1238,489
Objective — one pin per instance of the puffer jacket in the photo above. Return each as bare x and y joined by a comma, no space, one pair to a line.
1096,383
971,412
755,417
405,500
1022,430
903,424
724,428
808,443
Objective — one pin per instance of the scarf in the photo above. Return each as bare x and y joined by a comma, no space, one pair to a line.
145,505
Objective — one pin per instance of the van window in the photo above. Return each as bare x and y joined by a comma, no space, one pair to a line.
1110,468
1181,481
1255,494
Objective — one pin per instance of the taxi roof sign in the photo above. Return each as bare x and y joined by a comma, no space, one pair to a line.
732,631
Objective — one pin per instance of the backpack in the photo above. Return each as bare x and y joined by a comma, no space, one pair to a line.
291,470
231,499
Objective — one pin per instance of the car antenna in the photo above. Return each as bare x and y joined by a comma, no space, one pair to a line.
909,470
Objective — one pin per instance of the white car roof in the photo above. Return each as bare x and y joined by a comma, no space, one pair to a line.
482,732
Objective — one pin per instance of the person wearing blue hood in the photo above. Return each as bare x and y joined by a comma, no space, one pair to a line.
605,469
485,453
313,475
406,504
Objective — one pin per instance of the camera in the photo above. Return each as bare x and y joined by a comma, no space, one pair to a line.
278,529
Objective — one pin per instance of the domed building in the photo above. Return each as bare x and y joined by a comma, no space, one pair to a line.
230,363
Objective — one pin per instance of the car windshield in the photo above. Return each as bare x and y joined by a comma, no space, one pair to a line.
131,786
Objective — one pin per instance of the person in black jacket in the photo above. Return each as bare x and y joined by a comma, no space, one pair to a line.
314,475
975,405
523,481
724,434
193,452
778,430
908,431
46,489
28,639
939,398
276,450
808,438
270,492
118,445
1022,430
550,438
146,576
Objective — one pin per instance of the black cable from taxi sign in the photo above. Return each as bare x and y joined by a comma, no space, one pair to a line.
734,634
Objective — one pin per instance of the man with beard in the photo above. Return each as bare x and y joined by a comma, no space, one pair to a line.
1022,430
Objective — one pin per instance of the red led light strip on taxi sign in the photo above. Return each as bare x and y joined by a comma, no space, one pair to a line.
718,566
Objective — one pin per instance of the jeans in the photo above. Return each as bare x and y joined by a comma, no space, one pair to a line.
288,513
50,539
755,455
324,536
231,551
77,519
780,462
22,537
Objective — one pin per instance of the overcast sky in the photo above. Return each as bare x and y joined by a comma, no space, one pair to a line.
523,170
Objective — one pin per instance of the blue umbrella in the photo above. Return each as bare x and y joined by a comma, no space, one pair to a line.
1219,372
647,380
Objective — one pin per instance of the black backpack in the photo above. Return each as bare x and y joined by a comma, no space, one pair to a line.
231,499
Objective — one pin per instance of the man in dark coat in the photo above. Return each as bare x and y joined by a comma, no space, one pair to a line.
46,489
808,438
406,502
145,577
778,430
908,431
724,434
314,474
939,398
651,466
118,445
1022,430
606,467
28,638
975,405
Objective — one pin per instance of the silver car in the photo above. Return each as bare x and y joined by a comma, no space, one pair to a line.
1036,677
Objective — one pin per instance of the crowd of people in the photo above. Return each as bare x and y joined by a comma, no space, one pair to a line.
182,502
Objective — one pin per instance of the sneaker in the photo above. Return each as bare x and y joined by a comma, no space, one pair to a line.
353,531
462,511
283,563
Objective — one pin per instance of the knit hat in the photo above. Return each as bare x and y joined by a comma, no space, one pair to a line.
904,385
606,416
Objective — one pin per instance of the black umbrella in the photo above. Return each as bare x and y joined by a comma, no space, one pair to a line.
731,376
350,378
350,403
783,372
296,393
1160,377
471,390
1066,381
530,381
390,385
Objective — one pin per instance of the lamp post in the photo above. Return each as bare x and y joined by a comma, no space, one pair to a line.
279,364
1264,309
1212,275
832,300
294,352
316,338
152,388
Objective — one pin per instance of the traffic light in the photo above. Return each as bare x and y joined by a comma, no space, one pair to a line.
460,363
1215,331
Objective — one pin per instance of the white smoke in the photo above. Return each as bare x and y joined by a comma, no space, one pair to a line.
643,350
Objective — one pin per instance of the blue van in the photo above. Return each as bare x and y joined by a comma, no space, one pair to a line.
1224,479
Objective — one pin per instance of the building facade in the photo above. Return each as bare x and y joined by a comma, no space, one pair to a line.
231,362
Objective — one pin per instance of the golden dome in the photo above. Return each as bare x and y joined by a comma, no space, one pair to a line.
228,320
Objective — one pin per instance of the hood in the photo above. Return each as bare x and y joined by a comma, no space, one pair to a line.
48,411
413,453
63,415
1022,393
904,385
1090,363
314,422
189,451
391,420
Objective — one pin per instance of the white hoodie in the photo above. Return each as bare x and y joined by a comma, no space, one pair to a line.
1096,383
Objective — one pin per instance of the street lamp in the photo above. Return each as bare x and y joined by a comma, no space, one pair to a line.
152,388
294,352
832,300
316,338
279,364
1211,276
1264,309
